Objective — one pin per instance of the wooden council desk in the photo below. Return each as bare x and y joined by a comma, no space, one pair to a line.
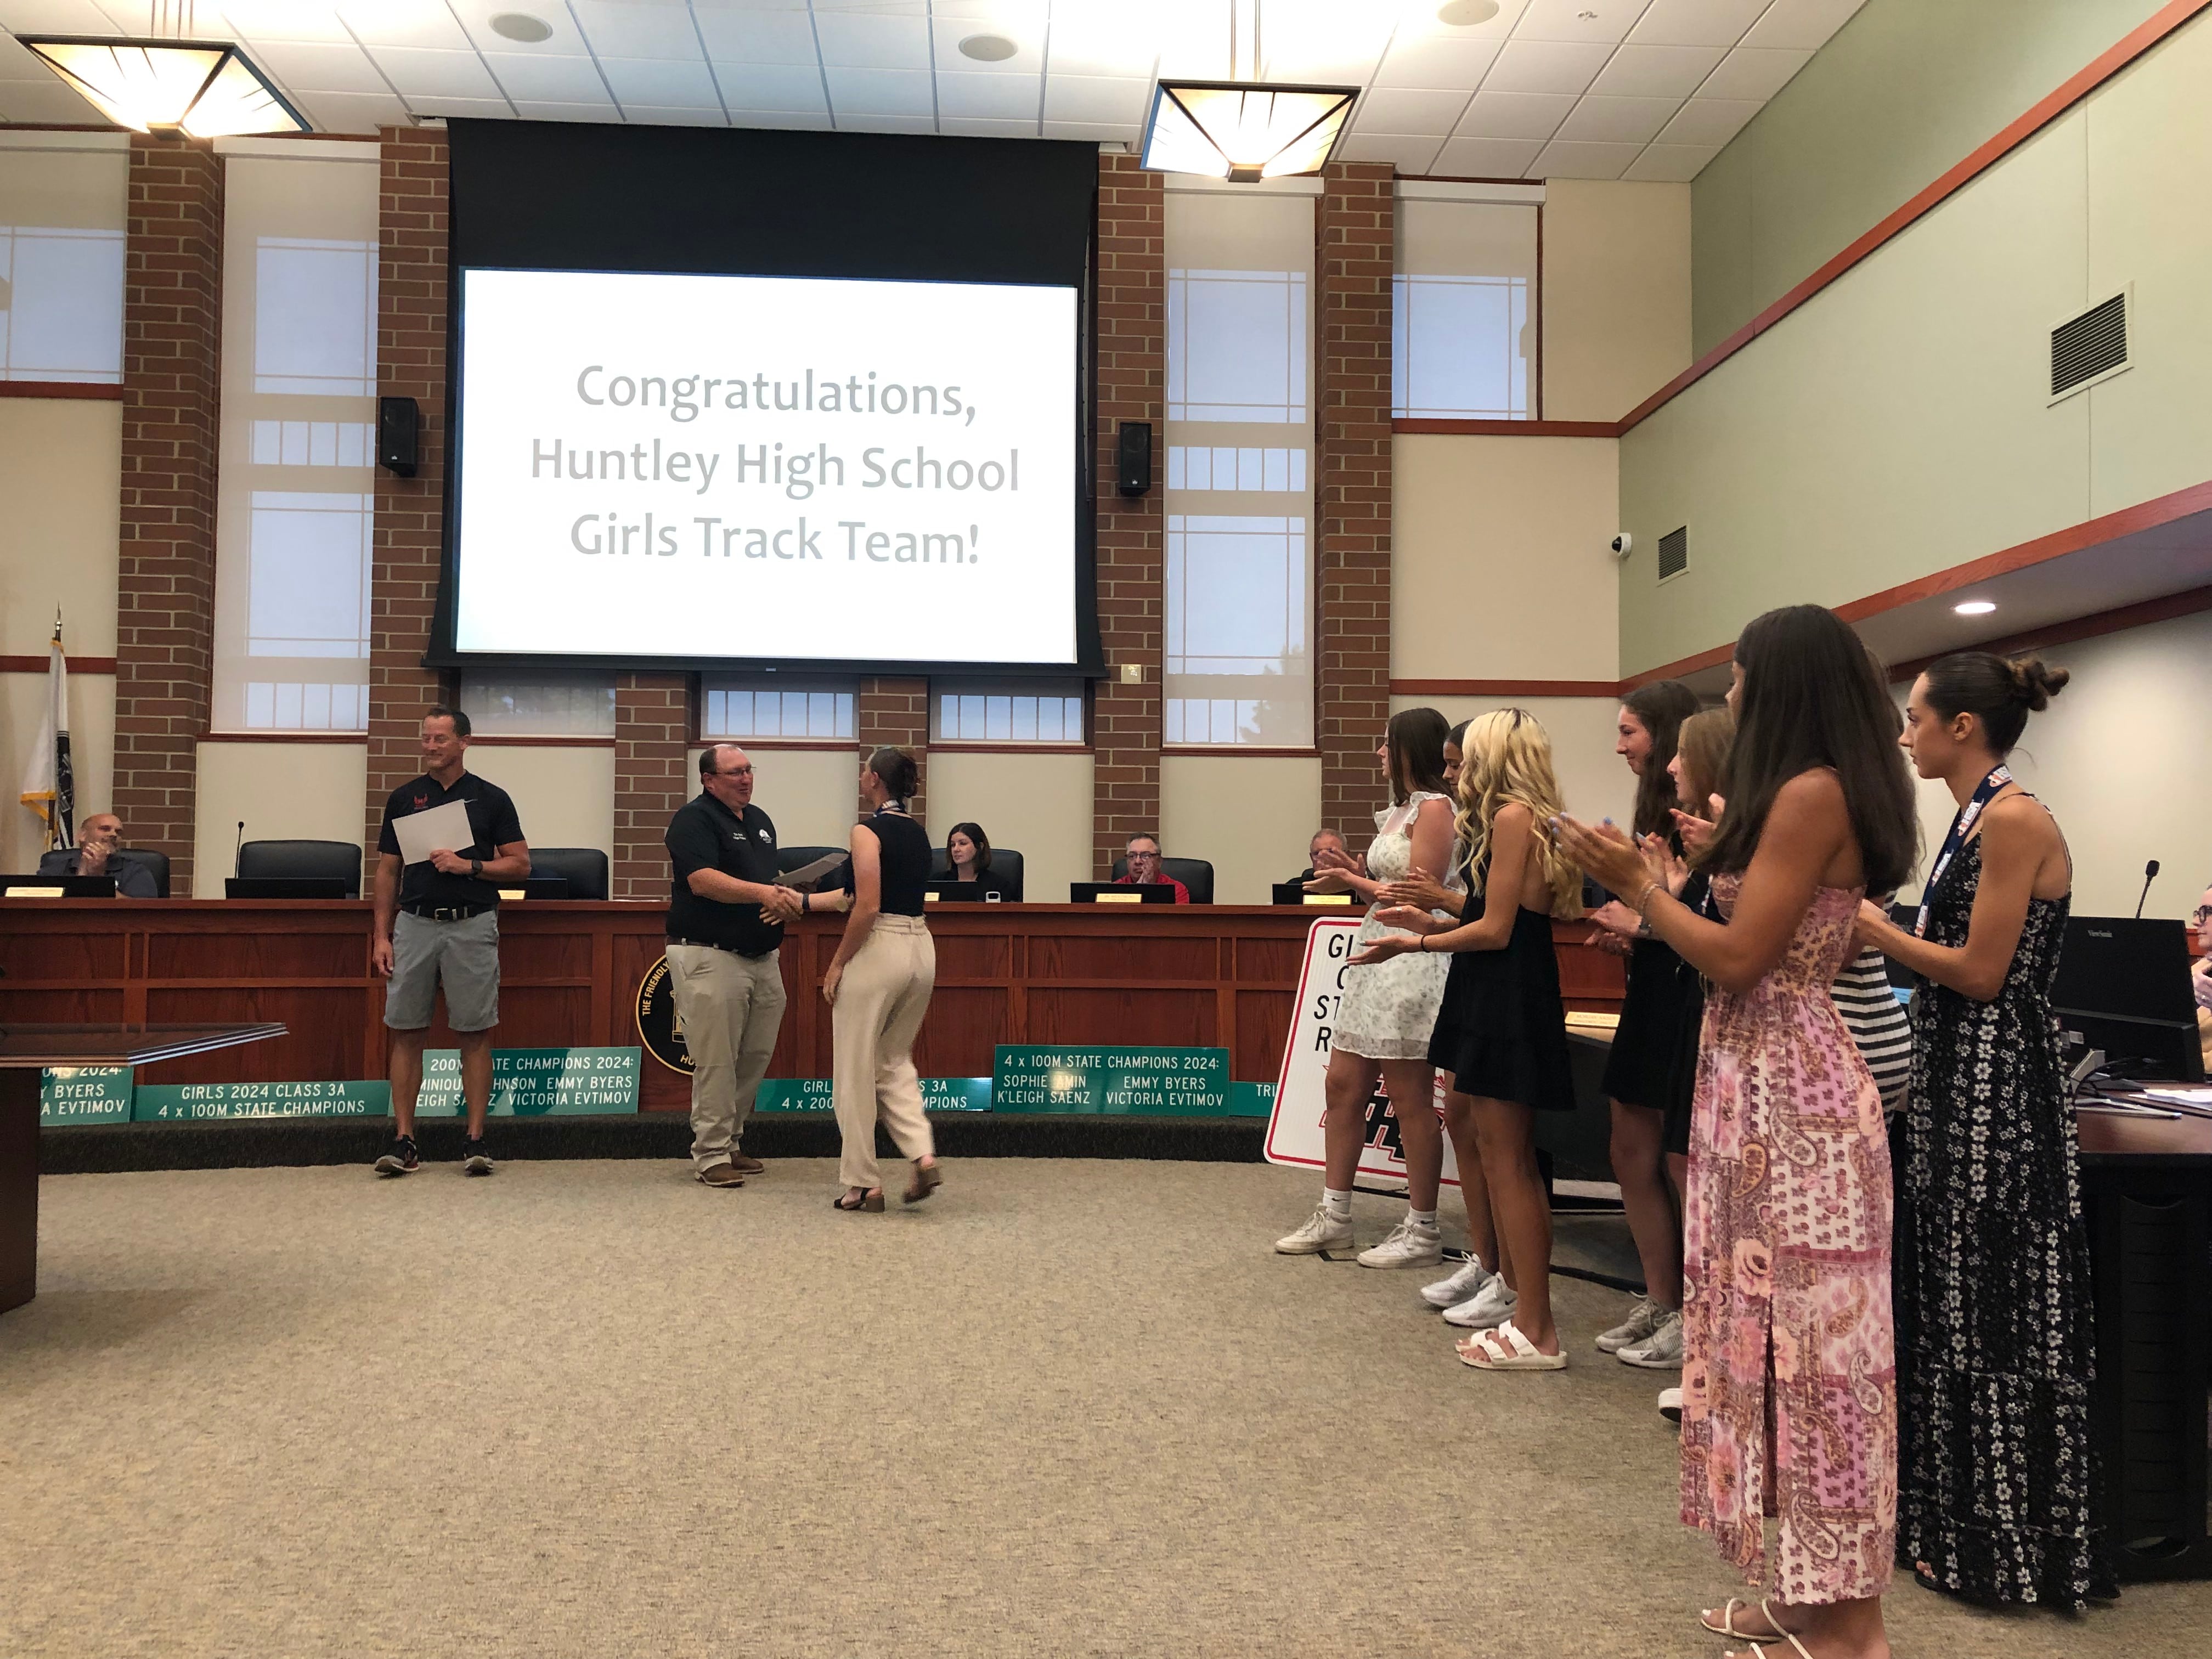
1133,976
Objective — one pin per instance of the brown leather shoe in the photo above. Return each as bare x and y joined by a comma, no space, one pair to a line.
744,1165
721,1175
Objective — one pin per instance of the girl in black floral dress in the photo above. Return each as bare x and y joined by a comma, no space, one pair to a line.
1994,1337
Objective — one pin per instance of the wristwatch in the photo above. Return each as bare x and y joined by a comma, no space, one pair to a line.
476,868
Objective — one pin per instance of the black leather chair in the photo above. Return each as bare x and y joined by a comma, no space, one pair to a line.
1196,874
341,858
157,865
1006,865
584,868
788,858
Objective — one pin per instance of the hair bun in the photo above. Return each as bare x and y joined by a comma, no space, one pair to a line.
2034,684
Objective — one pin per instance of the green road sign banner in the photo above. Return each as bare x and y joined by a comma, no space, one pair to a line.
84,1094
535,1082
811,1094
1251,1100
194,1102
1116,1082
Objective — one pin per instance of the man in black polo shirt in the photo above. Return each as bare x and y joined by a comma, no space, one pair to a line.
726,916
437,923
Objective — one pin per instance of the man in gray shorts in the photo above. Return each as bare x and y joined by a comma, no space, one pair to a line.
437,923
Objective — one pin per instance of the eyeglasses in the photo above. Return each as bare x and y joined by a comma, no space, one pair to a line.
2203,914
731,772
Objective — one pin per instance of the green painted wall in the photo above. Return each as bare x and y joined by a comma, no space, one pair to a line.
1907,89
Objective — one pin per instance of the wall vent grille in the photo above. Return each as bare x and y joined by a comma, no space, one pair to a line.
2089,348
1673,553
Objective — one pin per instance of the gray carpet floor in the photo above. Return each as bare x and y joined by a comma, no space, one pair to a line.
596,1408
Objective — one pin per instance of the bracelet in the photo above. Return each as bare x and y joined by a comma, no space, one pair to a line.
806,904
1644,898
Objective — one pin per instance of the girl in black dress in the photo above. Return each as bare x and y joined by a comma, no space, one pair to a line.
1996,1344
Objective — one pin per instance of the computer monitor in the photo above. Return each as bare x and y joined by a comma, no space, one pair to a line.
537,887
1294,892
285,887
37,886
2122,986
949,891
1120,892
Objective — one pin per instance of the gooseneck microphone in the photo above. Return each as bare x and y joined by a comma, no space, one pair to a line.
2150,875
238,852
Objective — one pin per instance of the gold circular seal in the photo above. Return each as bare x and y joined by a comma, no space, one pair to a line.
658,1027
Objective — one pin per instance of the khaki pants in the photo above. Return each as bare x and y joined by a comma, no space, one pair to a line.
731,1007
880,1003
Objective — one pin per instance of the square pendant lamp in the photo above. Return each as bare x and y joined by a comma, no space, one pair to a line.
1242,131
204,88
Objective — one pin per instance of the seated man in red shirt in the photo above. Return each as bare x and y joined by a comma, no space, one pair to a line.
1145,867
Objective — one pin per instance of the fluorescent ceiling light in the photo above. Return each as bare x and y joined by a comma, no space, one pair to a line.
1974,607
207,89
1243,131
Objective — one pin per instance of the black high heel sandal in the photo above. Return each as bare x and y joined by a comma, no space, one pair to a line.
872,1202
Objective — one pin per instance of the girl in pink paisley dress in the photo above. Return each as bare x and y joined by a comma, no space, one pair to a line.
1789,1375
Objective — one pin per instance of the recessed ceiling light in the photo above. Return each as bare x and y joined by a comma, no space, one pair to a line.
988,48
1974,607
1466,14
521,26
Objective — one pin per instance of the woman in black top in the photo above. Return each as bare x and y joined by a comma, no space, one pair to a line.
877,988
968,858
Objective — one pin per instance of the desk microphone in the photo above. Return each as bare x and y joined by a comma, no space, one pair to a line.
238,852
2150,875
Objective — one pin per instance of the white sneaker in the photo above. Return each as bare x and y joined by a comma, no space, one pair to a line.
1411,1244
1660,1351
1322,1232
1460,1287
1489,1308
1670,1405
1643,1320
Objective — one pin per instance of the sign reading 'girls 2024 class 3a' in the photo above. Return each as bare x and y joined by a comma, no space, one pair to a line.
1295,1134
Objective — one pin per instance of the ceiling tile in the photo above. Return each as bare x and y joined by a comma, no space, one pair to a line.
1407,155
1103,132
1513,115
1028,36
1420,22
815,121
1094,98
435,73
1436,61
974,126
1561,160
758,37
661,83
484,109
1390,109
566,40
424,23
1748,72
621,28
546,80
1708,121
335,112
903,93
1670,164
1488,158
857,42
50,100
1637,71
1617,120
1695,23
278,19
987,97
788,88
304,67
1803,25
1545,66
602,111
1606,21
661,115
913,124
1096,42
61,17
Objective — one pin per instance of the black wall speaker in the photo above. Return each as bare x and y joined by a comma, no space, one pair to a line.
399,434
1132,453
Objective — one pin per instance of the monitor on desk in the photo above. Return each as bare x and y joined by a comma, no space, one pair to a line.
948,891
35,886
1120,892
1294,892
2122,986
285,887
537,887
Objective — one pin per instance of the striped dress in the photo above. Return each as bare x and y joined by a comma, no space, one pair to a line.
1879,1024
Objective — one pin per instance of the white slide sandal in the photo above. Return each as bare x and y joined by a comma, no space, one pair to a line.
1506,1349
1727,1625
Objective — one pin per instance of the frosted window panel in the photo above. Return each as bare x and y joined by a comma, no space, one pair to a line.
542,706
309,576
1237,345
1238,594
61,304
314,323
1035,712
737,707
1463,334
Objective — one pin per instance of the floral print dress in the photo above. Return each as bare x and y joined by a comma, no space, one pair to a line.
1789,1373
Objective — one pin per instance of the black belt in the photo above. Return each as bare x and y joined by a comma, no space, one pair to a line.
710,944
446,912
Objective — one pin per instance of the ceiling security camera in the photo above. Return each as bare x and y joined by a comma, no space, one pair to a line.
1621,545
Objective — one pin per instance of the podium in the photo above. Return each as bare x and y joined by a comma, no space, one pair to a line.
25,1051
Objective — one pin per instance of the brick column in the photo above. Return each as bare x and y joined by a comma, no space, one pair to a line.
1356,233
406,545
897,712
1132,385
165,588
652,729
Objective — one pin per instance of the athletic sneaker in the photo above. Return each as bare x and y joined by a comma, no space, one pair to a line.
1643,1319
1411,1244
1322,1232
402,1159
1660,1351
474,1159
1489,1308
1460,1287
1670,1405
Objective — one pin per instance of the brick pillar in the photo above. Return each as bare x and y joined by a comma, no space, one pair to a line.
1125,720
652,745
165,588
897,712
1353,261
406,545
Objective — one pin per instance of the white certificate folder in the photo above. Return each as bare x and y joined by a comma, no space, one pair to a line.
421,834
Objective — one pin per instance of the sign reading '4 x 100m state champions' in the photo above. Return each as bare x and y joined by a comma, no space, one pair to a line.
194,1102
1134,1082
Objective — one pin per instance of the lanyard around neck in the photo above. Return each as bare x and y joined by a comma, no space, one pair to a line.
1961,827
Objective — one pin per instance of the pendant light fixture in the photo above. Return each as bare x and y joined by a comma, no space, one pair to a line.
1243,129
169,81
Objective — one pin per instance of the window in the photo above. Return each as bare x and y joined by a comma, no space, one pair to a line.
296,495
1239,598
540,705
1463,335
63,199
1005,711
739,706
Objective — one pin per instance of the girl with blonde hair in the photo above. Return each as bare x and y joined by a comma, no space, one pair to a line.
1502,1030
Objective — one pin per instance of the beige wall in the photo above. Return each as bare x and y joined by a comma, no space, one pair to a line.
564,797
812,795
1249,816
283,791
1616,300
1596,781
1038,804
91,753
61,484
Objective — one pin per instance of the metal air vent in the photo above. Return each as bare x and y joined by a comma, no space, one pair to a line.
2090,347
1673,553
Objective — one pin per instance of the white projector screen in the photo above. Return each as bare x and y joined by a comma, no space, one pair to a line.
689,467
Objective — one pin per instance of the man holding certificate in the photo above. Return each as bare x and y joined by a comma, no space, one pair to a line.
449,839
